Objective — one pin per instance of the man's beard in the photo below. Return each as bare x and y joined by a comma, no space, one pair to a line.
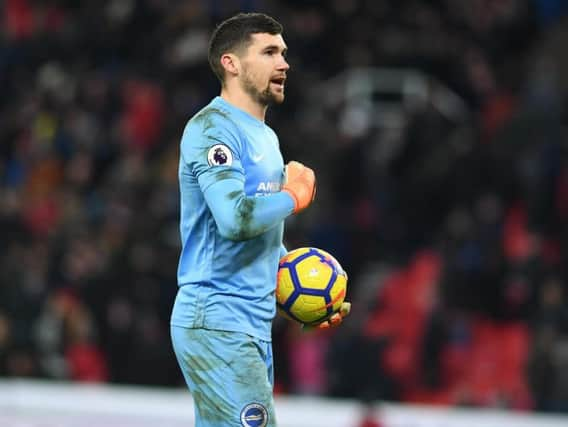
265,97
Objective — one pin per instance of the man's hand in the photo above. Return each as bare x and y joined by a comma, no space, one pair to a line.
335,319
300,184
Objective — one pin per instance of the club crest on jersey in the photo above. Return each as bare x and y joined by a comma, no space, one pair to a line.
219,155
254,415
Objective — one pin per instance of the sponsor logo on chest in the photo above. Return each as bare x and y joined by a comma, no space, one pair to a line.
266,187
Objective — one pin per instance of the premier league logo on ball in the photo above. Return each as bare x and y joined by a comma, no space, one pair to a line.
219,155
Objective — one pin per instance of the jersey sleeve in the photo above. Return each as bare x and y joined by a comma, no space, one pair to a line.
212,149
241,217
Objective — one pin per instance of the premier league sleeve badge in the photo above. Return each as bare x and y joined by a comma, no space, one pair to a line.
220,155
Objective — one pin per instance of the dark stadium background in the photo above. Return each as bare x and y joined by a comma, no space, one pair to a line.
437,129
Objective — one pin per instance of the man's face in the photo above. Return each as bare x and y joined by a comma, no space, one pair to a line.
264,68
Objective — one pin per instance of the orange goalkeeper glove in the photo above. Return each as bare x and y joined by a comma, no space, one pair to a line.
300,184
335,319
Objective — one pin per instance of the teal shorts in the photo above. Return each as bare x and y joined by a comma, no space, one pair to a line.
230,376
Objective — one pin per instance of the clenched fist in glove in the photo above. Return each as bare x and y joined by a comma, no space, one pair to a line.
300,184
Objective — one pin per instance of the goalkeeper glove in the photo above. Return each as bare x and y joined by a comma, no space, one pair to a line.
335,319
300,184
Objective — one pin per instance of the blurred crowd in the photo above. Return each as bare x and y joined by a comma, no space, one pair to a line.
452,227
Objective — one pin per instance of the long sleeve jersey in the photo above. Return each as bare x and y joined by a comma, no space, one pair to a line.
231,222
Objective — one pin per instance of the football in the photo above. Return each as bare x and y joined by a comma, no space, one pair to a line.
311,285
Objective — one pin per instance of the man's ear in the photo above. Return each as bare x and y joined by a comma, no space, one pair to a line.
230,63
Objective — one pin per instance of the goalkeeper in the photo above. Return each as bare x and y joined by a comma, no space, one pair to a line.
235,194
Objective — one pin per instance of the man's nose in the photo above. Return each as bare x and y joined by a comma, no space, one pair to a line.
283,66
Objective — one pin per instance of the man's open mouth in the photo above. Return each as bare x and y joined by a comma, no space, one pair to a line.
278,81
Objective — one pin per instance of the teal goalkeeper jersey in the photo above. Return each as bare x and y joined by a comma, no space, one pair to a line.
231,223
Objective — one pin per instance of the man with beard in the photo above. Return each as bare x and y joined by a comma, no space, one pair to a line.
235,194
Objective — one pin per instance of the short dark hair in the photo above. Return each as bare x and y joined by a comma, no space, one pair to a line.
234,35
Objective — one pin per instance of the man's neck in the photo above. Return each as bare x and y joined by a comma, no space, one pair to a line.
245,103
